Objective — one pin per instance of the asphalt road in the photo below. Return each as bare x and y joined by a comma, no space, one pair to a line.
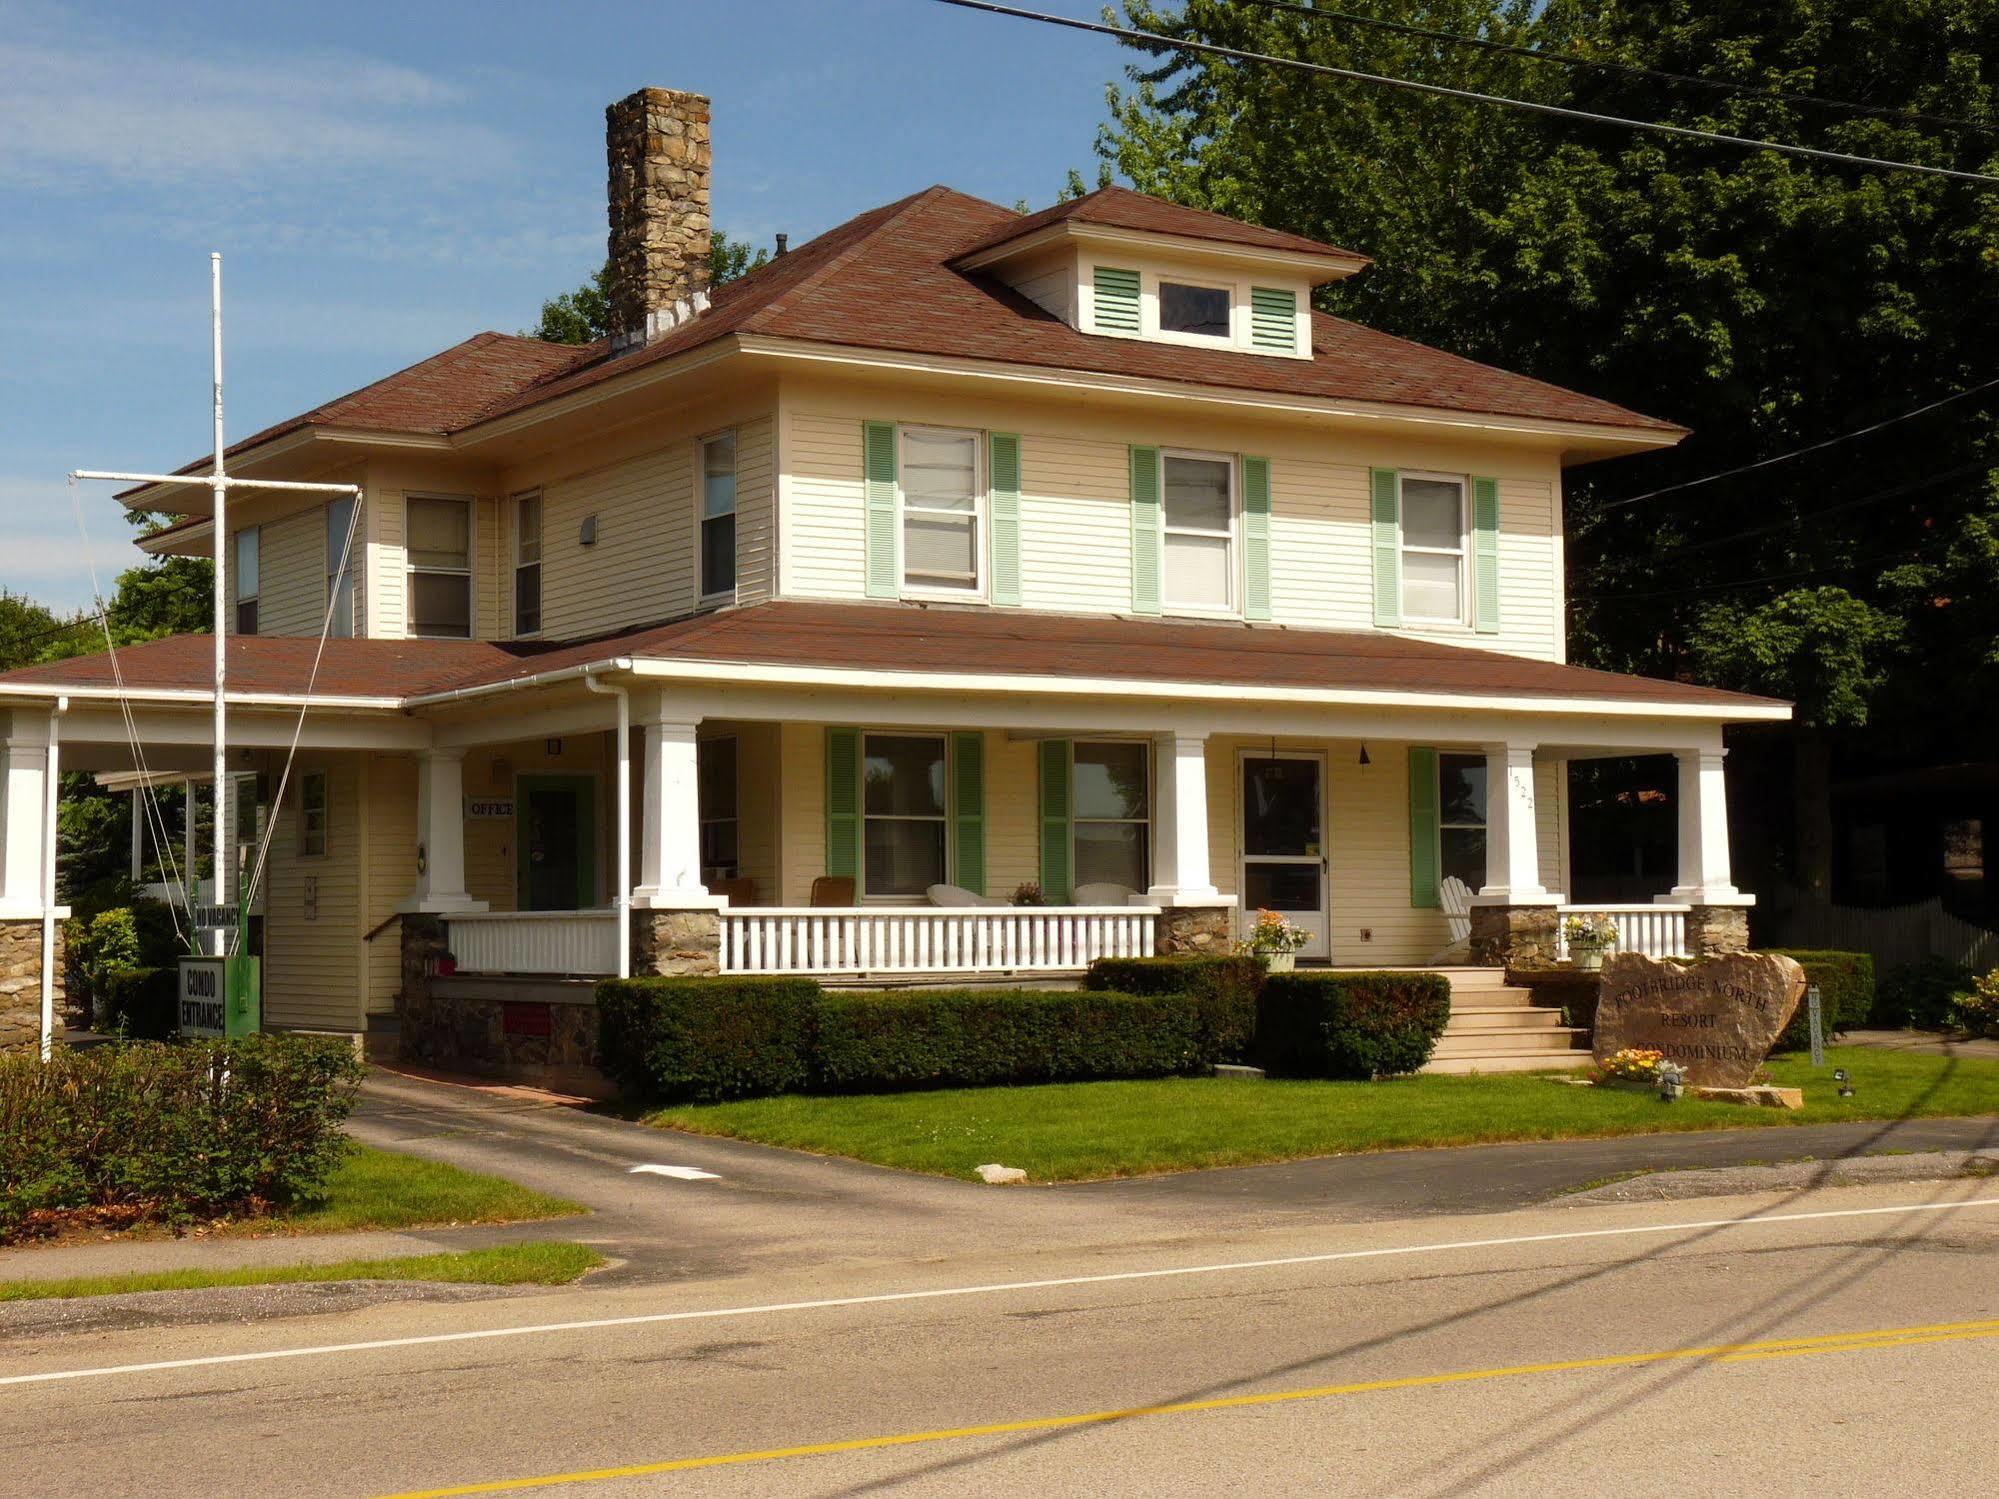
807,1327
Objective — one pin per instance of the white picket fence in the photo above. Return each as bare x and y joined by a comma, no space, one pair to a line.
1893,935
540,942
865,940
1654,930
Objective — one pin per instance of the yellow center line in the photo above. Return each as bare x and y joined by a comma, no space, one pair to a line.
1846,1342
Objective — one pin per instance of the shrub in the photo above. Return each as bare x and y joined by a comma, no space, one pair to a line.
1224,988
1977,1010
1845,983
923,1038
140,1003
1350,1025
672,1040
95,947
171,1133
1921,995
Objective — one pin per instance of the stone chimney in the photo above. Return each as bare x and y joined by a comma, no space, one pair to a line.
657,145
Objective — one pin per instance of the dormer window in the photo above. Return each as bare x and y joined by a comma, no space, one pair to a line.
1177,307
1194,311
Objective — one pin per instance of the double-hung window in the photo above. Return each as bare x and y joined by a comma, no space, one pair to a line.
438,537
715,777
1461,811
246,580
903,805
1198,510
1433,549
943,512
343,559
718,516
527,563
312,813
1113,813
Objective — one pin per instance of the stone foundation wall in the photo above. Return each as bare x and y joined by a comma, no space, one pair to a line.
21,984
1503,936
1715,930
676,942
510,1030
1195,929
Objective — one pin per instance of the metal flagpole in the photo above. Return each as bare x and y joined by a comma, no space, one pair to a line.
217,942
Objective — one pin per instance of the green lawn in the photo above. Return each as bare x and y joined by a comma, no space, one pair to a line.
1085,1131
385,1189
541,1264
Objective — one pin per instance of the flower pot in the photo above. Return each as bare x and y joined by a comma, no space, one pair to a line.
1279,962
1587,959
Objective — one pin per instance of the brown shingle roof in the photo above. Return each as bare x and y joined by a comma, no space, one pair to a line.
1120,208
901,638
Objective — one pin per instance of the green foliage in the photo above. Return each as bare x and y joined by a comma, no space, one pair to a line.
173,1134
1223,988
1821,648
140,1003
1977,1010
26,628
95,946
1845,983
1350,1025
584,315
700,1039
1921,995
939,1038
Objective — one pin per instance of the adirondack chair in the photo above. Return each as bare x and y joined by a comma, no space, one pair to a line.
1455,897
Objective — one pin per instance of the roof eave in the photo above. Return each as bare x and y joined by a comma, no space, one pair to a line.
1331,265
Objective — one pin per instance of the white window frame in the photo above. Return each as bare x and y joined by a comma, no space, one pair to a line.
980,512
305,785
1233,608
255,534
516,503
1151,819
701,516
1462,552
470,572
1152,299
944,818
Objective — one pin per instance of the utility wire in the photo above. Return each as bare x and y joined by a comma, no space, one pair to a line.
1817,447
1443,91
1570,60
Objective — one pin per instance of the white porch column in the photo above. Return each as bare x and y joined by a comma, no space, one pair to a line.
440,834
24,766
1512,846
670,822
1705,879
1180,872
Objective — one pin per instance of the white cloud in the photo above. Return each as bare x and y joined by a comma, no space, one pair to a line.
47,557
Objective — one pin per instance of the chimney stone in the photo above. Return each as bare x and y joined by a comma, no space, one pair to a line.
656,143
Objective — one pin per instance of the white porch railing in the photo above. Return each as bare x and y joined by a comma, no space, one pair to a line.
584,942
868,940
1656,931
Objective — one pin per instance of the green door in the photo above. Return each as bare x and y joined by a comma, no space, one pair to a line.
555,830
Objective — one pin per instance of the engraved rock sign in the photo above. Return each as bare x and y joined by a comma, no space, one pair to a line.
1717,1019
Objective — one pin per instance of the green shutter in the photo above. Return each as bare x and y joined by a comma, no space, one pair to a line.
968,811
1387,490
1485,555
1117,300
1145,530
878,458
843,802
1423,878
1256,538
1003,474
1273,319
1056,849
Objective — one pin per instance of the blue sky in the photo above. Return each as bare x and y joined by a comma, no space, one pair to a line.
386,179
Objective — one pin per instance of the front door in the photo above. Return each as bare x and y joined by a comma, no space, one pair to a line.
1283,842
555,829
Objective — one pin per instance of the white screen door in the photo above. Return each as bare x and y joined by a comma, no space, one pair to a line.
1283,842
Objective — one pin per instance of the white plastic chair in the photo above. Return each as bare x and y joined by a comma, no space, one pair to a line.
1109,893
956,896
1454,895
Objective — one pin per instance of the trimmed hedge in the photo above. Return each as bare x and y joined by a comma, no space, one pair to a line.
699,1040
1350,1025
1846,993
1922,995
1223,987
176,1134
141,1003
969,1038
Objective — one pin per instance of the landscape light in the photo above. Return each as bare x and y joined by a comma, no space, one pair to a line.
1671,1079
1839,1076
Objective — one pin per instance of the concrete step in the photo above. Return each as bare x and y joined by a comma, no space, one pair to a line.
1554,1061
1559,1040
1466,1019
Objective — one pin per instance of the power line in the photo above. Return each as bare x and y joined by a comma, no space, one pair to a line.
1817,447
1443,91
1700,589
1570,60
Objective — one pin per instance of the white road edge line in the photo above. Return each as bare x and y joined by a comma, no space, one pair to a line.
996,1288
678,1173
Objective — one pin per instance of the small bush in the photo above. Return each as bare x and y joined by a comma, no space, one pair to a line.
140,1003
1845,983
1224,988
697,1040
932,1038
1977,1010
1350,1025
1921,995
171,1133
96,947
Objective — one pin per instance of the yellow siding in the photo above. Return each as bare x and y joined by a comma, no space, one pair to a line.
642,564
487,590
291,574
756,510
758,808
312,947
1013,821
491,852
390,871
823,551
804,817
1075,524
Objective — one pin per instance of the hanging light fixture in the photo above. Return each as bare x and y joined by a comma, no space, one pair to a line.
1364,761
